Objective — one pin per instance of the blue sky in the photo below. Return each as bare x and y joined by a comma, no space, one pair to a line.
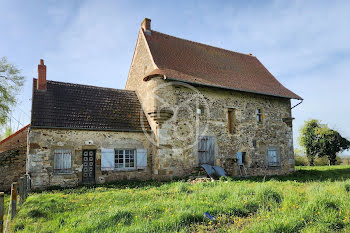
305,44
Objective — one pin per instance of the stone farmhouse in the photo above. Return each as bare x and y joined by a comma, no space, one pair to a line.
184,104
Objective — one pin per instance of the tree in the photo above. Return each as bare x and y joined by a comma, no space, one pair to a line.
308,139
330,143
10,83
8,132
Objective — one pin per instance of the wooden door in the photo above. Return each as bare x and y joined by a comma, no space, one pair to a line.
89,166
206,150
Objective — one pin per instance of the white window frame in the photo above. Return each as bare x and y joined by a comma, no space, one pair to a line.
62,167
275,163
124,159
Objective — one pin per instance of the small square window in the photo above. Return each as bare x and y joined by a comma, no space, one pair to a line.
124,159
200,110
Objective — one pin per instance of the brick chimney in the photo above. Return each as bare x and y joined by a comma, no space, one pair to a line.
41,85
146,25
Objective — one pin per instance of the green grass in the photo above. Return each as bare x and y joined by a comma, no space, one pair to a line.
313,199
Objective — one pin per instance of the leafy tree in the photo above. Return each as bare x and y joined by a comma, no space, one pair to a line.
308,139
330,143
10,83
8,132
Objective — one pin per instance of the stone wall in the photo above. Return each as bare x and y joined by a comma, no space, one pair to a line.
141,65
178,153
16,140
13,152
12,166
43,142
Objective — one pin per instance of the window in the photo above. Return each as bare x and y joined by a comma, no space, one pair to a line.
200,110
272,157
232,123
241,158
124,159
259,115
62,161
121,159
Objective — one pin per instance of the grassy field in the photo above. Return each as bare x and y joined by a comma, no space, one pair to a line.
313,199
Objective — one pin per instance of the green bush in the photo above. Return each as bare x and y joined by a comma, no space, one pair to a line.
300,160
323,161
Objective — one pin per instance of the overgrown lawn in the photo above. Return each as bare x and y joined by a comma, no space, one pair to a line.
315,199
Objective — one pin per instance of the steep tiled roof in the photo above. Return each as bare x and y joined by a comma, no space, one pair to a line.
197,63
74,106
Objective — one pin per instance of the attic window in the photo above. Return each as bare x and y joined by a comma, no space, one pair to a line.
259,115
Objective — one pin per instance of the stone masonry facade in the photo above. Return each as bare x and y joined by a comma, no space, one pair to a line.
178,154
43,143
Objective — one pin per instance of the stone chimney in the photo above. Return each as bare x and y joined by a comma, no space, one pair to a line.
146,25
41,85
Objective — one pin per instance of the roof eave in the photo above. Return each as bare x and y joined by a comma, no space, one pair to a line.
221,87
91,129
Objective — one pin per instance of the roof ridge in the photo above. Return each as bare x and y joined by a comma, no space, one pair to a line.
199,43
88,86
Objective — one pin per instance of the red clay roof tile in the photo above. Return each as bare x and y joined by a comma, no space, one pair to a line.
202,64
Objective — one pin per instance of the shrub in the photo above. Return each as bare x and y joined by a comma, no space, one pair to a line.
323,161
300,160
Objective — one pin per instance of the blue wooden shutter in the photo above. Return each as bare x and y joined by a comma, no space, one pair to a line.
141,158
107,159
